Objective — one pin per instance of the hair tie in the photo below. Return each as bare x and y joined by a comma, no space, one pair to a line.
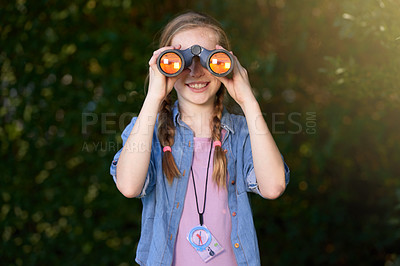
167,148
217,143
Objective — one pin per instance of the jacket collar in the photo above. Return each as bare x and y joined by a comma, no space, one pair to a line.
226,120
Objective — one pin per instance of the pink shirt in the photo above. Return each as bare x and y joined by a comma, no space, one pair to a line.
216,216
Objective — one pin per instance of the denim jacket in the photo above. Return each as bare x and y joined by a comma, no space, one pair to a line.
163,203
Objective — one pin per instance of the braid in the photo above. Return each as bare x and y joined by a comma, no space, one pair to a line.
219,173
166,135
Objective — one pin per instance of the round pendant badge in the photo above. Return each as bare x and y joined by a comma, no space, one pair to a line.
200,238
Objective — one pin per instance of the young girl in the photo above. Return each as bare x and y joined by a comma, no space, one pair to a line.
192,163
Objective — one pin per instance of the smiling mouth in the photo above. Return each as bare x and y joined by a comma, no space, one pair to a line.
197,85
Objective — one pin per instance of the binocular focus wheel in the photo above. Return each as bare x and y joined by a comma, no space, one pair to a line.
196,49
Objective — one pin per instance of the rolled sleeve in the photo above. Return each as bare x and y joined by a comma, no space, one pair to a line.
113,167
250,176
251,179
149,182
287,172
125,134
252,185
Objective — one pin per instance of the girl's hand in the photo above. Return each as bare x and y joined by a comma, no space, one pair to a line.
239,85
160,85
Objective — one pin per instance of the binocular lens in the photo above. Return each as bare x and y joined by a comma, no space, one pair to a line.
170,63
220,63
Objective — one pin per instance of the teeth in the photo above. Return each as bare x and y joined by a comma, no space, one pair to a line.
197,85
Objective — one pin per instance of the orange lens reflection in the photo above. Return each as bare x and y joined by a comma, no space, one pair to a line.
220,63
170,63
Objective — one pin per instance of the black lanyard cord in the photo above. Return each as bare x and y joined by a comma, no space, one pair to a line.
205,190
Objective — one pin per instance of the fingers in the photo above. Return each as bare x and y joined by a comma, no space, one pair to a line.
224,80
159,84
157,52
221,47
238,68
160,50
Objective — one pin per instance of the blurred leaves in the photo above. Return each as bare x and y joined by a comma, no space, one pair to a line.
325,73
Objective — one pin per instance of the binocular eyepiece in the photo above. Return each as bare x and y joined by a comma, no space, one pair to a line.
172,62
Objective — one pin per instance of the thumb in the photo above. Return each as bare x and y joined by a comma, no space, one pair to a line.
225,81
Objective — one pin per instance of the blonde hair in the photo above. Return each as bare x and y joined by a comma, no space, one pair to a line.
166,128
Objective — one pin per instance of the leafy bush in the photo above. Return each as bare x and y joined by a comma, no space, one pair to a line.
325,74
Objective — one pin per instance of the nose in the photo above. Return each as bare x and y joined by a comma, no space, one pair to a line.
196,69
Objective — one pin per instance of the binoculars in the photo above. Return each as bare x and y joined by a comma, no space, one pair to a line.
172,62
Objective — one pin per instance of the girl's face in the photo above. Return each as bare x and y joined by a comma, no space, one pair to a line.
196,86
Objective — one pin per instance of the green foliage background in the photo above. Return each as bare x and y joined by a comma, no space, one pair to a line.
326,74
